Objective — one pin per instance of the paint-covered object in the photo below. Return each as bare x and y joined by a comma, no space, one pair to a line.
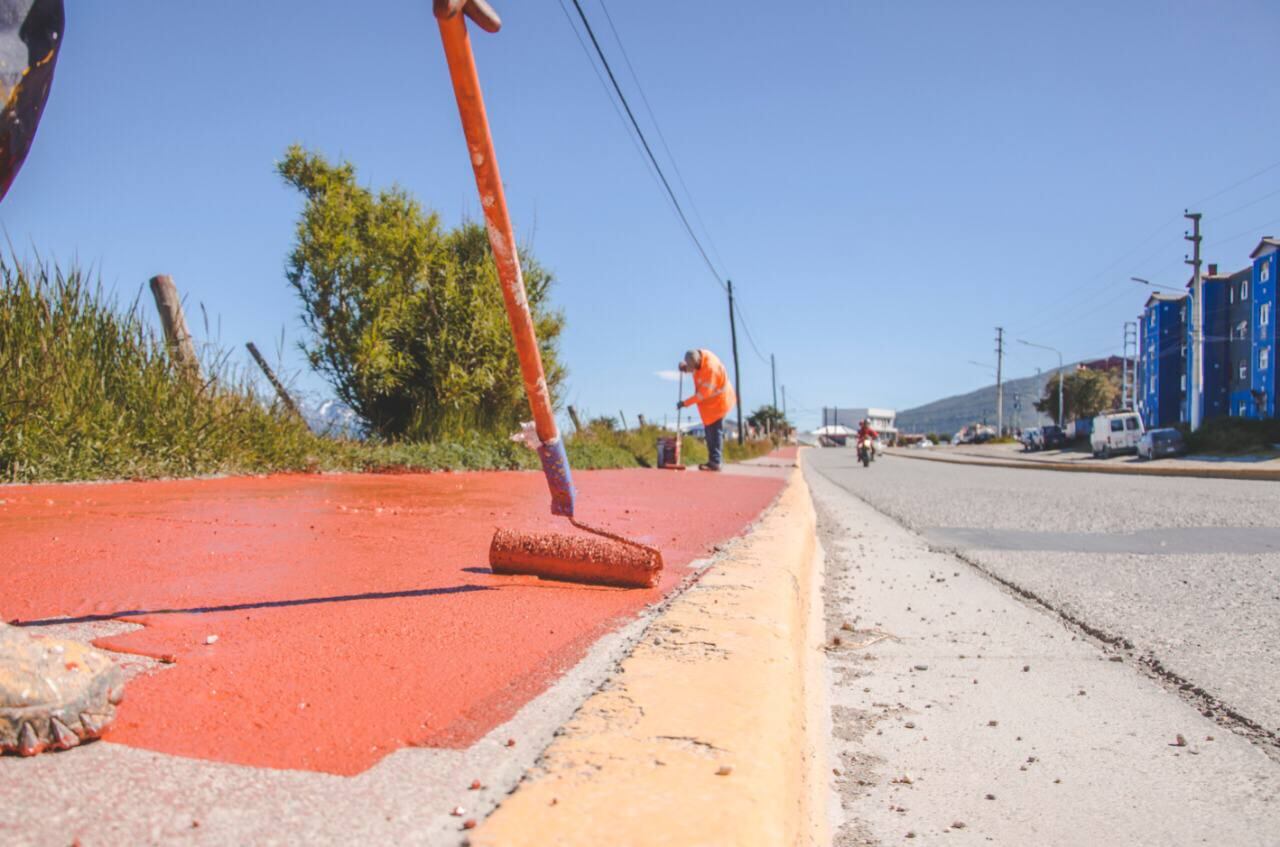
30,35
574,558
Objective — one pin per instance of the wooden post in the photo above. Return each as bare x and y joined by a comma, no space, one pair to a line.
271,377
577,424
624,420
176,334
642,423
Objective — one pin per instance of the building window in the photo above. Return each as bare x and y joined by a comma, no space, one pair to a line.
1231,294
1241,412
1264,272
1184,382
1244,369
1264,314
1242,330
1184,351
1264,358
1244,291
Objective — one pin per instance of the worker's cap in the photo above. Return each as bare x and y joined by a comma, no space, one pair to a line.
692,359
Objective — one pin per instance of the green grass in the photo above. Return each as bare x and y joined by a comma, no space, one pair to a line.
87,391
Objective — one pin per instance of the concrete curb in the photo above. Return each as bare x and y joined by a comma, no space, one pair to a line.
714,730
1127,470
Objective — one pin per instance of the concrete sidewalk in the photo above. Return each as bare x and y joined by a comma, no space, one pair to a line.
966,715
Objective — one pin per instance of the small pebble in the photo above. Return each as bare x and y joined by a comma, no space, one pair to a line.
991,796
475,785
1026,668
211,639
922,667
724,770
1179,741
458,811
470,823
910,725
511,742
957,824
993,723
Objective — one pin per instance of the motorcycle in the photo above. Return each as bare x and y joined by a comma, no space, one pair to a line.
866,452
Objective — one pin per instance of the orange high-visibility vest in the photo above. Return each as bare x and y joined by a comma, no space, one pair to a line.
712,391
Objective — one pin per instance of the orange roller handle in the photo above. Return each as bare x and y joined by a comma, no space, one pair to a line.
502,239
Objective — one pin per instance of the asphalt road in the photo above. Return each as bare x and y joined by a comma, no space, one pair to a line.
1187,571
965,712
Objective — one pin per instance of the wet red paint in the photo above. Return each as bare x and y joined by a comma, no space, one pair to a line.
354,615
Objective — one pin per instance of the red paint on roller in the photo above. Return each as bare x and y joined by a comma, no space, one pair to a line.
355,614
574,558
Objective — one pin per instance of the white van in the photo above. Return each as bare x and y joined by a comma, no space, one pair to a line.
1115,433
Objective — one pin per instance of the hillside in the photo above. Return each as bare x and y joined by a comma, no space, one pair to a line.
949,414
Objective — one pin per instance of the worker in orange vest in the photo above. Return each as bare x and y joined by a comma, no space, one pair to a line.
714,396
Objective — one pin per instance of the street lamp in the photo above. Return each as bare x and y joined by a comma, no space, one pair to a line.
1059,352
1142,281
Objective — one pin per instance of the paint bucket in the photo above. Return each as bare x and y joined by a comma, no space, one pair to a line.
669,452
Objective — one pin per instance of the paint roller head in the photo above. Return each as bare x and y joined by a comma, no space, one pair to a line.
575,558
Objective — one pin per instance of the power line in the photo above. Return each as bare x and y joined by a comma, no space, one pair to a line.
661,135
737,307
1235,185
647,149
608,93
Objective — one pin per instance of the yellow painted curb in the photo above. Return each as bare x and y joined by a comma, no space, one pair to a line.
714,730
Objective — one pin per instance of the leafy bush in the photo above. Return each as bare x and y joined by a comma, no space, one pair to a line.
406,319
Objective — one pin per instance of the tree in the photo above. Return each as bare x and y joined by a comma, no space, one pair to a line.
406,319
1085,394
768,419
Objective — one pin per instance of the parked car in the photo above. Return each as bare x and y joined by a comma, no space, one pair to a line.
1117,432
1052,437
1032,439
1158,443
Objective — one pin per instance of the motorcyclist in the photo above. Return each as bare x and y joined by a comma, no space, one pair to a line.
865,431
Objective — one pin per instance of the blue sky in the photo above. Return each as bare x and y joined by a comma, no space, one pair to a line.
884,182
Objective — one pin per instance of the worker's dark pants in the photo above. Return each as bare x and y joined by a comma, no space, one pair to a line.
715,440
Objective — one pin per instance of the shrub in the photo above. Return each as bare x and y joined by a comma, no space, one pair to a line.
406,319
1233,435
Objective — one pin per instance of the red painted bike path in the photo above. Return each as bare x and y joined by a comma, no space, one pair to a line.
353,614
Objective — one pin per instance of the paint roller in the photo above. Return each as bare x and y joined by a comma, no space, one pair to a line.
597,557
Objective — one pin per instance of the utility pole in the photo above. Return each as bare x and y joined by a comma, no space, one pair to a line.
737,375
1197,321
773,375
999,382
784,401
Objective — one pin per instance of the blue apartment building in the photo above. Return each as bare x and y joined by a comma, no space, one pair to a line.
1223,313
1240,345
1162,370
1261,402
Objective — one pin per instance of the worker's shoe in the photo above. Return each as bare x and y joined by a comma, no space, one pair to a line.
706,467
53,693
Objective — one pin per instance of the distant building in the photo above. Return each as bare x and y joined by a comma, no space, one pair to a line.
1162,373
881,420
1111,363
